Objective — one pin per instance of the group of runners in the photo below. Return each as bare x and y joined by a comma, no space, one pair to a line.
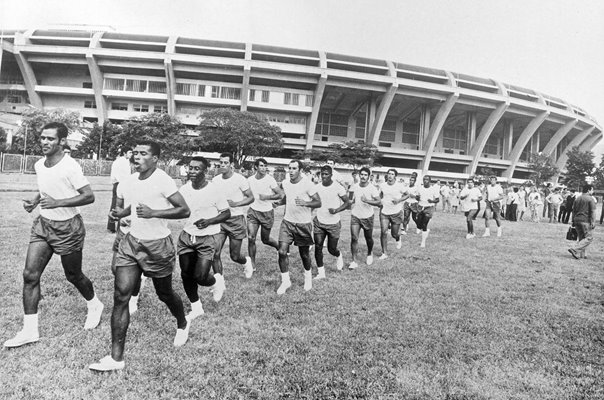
214,211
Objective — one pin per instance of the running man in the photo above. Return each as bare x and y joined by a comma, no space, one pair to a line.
197,242
470,196
238,194
410,205
120,170
58,229
326,224
147,249
296,227
493,202
364,197
427,197
391,215
261,213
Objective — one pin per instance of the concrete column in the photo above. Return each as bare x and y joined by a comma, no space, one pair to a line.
524,138
245,88
380,116
484,134
436,129
470,129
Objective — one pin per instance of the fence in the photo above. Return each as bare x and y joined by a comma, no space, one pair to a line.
16,163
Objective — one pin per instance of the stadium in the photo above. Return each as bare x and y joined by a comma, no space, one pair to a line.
446,124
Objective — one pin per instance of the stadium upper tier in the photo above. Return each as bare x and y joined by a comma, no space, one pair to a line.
440,122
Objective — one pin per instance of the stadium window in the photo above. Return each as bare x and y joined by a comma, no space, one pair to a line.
309,100
265,96
119,106
13,99
160,109
185,88
89,104
87,85
114,84
140,107
291,98
136,85
252,96
201,90
157,87
215,91
230,93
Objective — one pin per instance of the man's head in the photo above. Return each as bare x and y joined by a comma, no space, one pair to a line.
146,155
126,152
66,149
295,167
331,163
261,166
197,168
52,138
426,180
493,180
326,175
364,174
587,188
391,175
412,180
470,182
225,163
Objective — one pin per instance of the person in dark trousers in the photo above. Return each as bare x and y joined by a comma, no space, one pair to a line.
584,221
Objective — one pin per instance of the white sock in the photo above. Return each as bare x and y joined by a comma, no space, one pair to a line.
134,299
284,276
94,302
196,307
218,277
321,270
30,322
307,274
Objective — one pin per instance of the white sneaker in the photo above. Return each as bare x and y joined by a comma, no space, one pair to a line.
340,262
487,233
284,286
370,259
499,232
470,236
218,289
133,305
383,256
93,318
249,268
399,244
307,282
22,337
320,273
182,335
195,313
418,231
353,265
107,364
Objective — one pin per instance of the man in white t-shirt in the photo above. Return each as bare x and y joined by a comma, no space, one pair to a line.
364,196
296,227
326,223
261,214
197,242
120,170
470,196
236,189
147,249
58,229
427,197
336,176
495,194
410,205
445,193
391,214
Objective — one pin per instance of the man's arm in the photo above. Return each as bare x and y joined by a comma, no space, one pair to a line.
180,209
30,204
277,194
85,196
314,202
345,204
221,217
119,211
248,198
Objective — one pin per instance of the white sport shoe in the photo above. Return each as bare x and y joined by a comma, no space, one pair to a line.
499,232
218,289
22,337
195,313
370,259
307,282
107,364
284,286
249,268
182,335
320,274
470,236
353,265
418,231
486,233
340,262
399,244
93,318
383,256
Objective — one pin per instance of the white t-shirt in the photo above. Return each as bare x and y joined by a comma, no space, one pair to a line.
412,191
427,193
360,209
124,228
330,198
232,188
445,191
263,186
204,203
304,190
390,193
154,192
467,204
494,192
120,169
60,181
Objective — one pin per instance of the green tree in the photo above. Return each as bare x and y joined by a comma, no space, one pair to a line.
599,175
542,168
356,154
579,165
318,155
99,135
162,128
3,146
244,134
33,121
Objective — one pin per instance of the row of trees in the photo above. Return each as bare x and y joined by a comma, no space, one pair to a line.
580,168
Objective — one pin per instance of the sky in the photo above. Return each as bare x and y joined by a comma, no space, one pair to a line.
555,47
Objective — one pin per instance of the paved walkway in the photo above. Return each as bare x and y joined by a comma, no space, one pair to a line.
13,182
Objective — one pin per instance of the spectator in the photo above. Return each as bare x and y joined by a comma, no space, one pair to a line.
584,221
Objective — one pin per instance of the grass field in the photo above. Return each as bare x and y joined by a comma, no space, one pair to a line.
492,318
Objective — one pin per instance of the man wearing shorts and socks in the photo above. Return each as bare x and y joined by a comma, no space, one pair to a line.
427,197
364,197
261,214
147,248
410,205
493,203
237,191
326,223
391,215
197,242
470,196
296,227
58,229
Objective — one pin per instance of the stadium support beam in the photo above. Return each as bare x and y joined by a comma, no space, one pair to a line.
247,68
436,129
380,115
170,77
558,136
586,145
29,79
483,136
577,141
96,76
523,140
317,100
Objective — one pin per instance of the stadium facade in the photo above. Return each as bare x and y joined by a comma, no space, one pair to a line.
439,122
